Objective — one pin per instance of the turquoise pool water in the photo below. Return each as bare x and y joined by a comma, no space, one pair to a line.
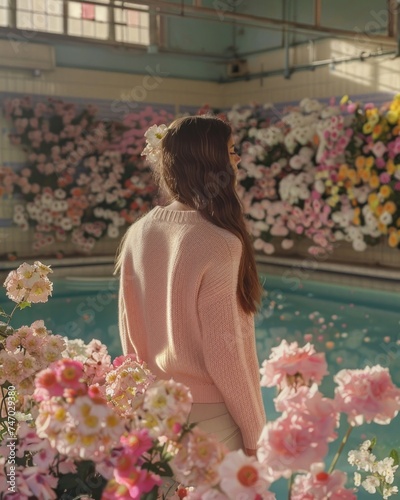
354,326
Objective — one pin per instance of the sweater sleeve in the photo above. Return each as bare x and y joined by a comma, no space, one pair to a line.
229,343
126,314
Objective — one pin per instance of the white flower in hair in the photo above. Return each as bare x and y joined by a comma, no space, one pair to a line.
154,135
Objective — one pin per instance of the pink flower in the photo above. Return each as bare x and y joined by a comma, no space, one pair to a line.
351,107
243,476
379,149
29,283
47,385
318,485
287,244
69,373
137,442
115,491
384,178
40,483
289,444
367,395
137,481
197,460
289,364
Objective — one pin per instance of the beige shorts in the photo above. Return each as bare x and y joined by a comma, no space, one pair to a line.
214,418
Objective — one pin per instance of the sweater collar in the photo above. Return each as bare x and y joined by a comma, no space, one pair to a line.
182,216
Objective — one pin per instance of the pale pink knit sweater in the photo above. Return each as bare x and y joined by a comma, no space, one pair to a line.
179,312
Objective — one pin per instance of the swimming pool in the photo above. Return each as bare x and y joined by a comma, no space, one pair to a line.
354,326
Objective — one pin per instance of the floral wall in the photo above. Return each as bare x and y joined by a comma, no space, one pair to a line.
313,174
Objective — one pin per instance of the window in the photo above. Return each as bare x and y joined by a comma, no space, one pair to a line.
40,15
88,20
4,13
131,23
113,20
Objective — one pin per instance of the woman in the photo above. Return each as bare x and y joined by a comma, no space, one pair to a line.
189,286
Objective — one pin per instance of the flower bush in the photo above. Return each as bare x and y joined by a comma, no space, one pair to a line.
74,422
325,172
320,172
84,178
71,417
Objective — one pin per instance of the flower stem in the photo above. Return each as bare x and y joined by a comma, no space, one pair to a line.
342,445
290,487
12,314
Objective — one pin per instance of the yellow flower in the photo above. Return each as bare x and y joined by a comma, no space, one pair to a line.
356,218
352,175
398,222
374,181
344,99
385,191
368,127
335,190
391,167
365,175
392,116
333,200
373,201
382,228
390,207
378,129
393,240
369,162
342,174
371,113
360,162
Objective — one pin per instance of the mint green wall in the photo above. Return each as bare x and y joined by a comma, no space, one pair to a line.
357,15
211,42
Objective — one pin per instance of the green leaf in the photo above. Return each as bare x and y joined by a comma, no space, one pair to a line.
373,443
161,468
3,313
394,454
24,304
5,330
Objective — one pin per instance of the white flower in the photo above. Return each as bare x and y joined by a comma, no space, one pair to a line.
359,245
371,483
112,231
47,200
310,105
386,469
19,209
242,476
19,218
270,136
363,459
60,194
388,492
357,479
66,224
154,135
319,186
386,218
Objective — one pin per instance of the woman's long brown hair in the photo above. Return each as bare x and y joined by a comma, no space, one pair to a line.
196,171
